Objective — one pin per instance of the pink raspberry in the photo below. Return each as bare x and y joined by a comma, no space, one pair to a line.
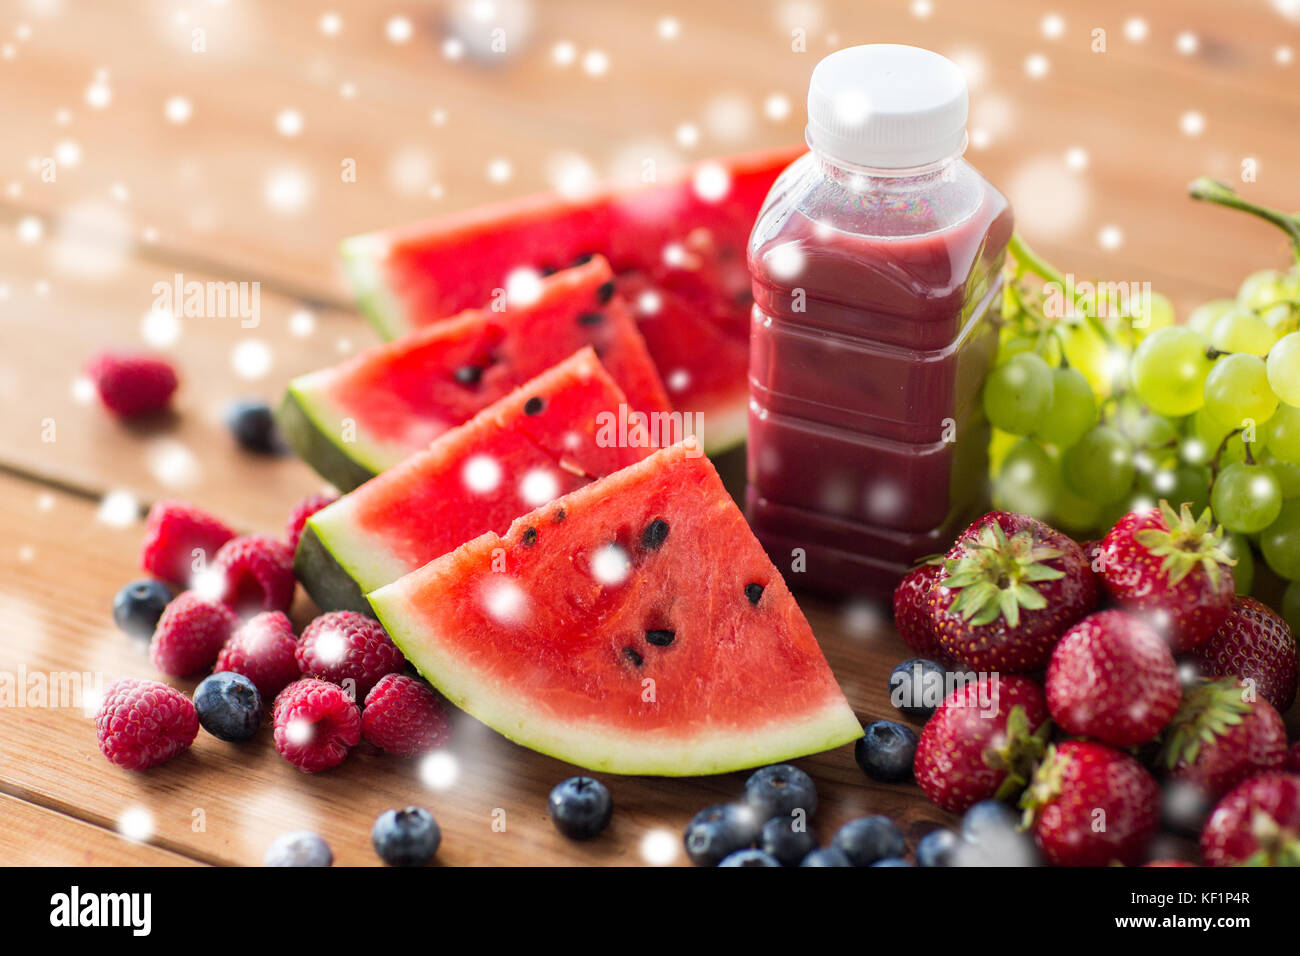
298,518
173,532
346,646
404,717
131,384
257,573
263,651
190,634
316,724
142,723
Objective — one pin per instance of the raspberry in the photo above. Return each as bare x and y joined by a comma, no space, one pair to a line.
298,519
131,384
347,646
316,724
263,651
143,723
173,531
404,717
257,573
190,634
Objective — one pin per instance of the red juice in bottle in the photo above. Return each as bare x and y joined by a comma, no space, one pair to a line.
876,267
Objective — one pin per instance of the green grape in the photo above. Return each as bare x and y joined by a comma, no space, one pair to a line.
1014,344
1282,434
1287,473
1076,515
1280,542
1144,318
1237,391
1235,449
1088,353
1246,498
1100,466
1073,410
1169,370
1204,316
1242,331
1018,393
1138,501
1029,481
1184,483
1284,368
1243,572
1281,318
1144,429
1001,443
1291,605
1261,289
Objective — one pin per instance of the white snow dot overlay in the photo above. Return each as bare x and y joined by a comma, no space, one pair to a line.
538,487
505,600
481,474
610,565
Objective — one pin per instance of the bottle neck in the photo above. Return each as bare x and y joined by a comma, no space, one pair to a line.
864,178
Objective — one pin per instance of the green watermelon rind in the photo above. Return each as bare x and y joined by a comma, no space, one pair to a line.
337,563
324,578
308,425
363,257
593,747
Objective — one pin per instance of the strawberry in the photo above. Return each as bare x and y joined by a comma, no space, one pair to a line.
1293,758
131,384
982,741
1256,645
1257,824
1172,570
1090,805
1221,735
1010,586
912,617
1114,679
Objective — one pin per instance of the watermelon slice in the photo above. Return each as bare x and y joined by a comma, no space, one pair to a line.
633,626
678,247
352,421
545,439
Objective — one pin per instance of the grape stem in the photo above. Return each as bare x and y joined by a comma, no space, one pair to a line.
1026,260
1218,454
1211,190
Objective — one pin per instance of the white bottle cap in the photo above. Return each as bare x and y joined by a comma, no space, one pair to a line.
887,105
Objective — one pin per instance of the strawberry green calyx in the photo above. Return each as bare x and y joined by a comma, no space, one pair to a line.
1021,748
1044,787
1188,544
1275,845
997,574
1207,712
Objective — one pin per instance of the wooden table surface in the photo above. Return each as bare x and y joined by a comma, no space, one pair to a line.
1094,147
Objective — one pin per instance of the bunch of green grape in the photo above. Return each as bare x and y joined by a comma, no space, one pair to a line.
1096,414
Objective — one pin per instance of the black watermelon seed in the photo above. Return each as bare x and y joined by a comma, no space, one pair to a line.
548,270
605,292
530,537
583,259
631,654
559,516
591,318
468,374
534,405
660,638
654,534
753,592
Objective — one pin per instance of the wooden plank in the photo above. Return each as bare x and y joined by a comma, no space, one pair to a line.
60,569
35,836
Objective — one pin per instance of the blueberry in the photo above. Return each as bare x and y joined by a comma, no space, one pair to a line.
826,856
917,687
137,607
991,836
868,839
750,858
1184,807
892,861
938,848
988,819
779,790
229,706
252,423
299,848
886,750
407,837
716,833
580,807
787,839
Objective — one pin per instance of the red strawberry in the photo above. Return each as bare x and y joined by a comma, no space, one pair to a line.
1010,586
1220,736
1256,645
1112,678
257,573
1090,805
982,741
190,635
1172,570
912,616
177,538
263,651
298,518
131,384
1293,758
404,717
1258,823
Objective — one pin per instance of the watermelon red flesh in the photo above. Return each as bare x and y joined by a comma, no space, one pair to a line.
551,648
663,236
399,397
543,440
